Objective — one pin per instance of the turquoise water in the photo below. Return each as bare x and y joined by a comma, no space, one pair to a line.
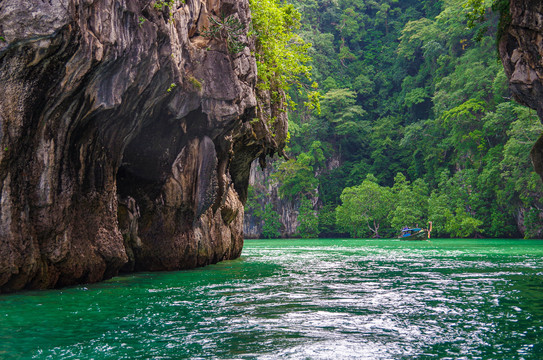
300,299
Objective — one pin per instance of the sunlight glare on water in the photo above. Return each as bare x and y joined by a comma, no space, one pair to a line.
300,299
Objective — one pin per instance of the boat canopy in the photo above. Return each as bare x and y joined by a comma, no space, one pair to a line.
411,229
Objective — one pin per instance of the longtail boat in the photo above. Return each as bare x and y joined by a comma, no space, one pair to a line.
415,233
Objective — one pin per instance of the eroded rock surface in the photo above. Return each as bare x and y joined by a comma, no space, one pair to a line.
521,50
126,139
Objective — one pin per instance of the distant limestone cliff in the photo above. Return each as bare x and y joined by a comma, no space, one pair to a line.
127,135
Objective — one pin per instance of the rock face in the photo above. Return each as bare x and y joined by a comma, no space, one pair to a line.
267,191
126,138
521,50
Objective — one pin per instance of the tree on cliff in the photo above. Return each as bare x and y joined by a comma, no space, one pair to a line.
309,222
272,224
281,54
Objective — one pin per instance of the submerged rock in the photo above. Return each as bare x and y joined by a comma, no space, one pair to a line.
126,138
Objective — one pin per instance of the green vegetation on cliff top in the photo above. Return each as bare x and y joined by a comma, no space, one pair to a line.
281,54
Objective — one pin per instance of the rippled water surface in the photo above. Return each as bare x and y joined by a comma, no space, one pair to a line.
300,299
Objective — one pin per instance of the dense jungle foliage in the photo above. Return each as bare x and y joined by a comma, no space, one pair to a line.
416,124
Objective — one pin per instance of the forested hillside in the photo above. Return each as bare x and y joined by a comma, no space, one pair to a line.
416,123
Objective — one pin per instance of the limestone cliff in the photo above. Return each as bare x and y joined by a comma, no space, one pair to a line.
126,138
267,191
521,50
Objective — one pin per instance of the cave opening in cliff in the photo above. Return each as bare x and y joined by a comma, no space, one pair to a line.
148,158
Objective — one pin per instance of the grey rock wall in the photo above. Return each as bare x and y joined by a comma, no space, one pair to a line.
267,191
126,139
